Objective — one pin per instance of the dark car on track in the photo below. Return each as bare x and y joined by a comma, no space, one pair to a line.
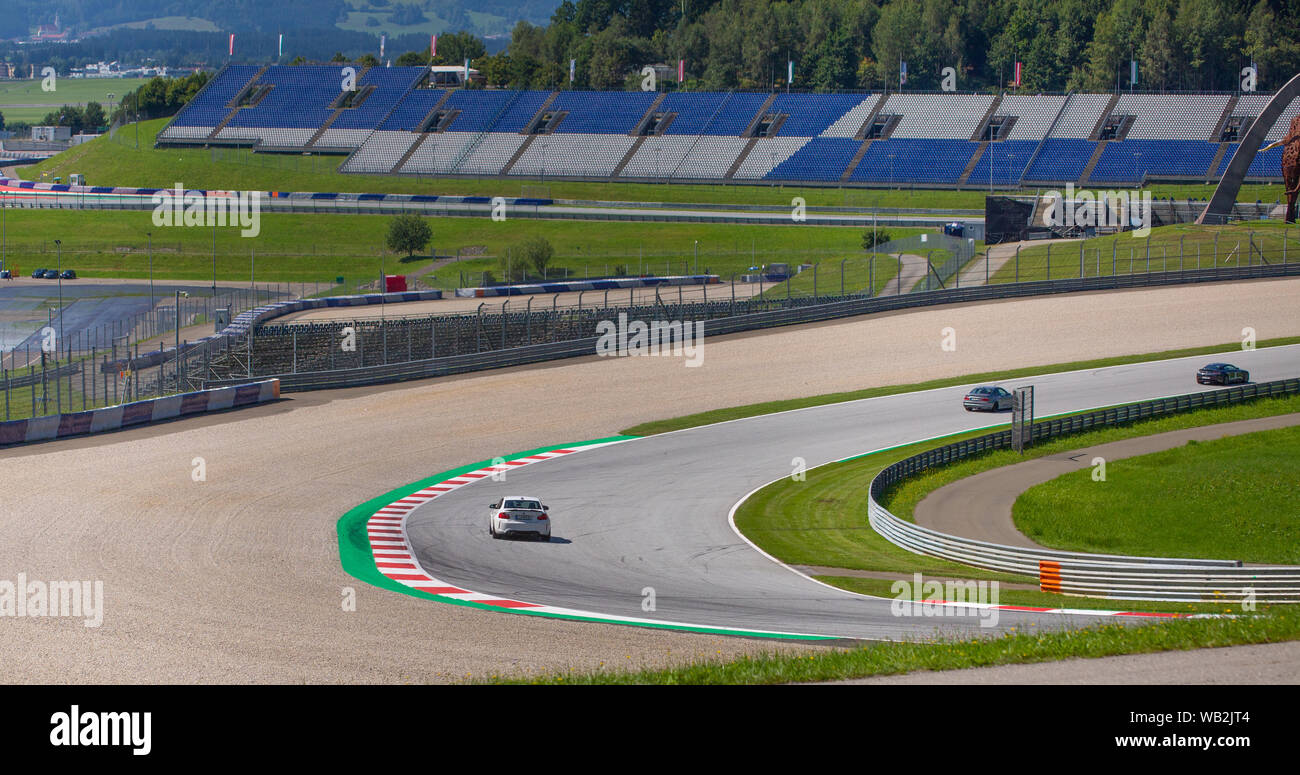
1221,374
38,274
989,398
68,274
51,274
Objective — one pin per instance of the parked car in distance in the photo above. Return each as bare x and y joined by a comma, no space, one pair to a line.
989,398
51,274
68,274
38,274
5,274
1221,374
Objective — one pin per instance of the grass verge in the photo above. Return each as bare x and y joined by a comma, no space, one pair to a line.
118,161
1233,499
1282,623
768,407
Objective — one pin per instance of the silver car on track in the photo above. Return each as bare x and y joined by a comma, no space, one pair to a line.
520,515
987,398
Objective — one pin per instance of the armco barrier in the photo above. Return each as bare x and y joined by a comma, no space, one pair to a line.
58,426
569,286
258,315
804,313
1080,573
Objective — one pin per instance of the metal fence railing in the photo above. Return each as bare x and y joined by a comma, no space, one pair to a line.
1084,573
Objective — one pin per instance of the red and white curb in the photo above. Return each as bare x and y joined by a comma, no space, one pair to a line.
395,558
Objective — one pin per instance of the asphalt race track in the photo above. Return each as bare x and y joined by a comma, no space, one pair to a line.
652,512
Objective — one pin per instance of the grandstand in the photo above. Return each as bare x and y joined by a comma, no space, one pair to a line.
396,121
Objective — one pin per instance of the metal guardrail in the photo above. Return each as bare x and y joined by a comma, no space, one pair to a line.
810,313
1081,573
36,377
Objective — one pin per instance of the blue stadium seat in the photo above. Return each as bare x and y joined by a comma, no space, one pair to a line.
1061,159
822,159
914,161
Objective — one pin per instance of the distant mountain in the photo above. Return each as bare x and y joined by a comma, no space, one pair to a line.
22,18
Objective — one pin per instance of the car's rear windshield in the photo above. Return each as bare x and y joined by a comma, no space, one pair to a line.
523,505
981,391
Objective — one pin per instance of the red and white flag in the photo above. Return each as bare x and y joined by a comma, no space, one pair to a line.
1016,82
681,70
232,44
433,46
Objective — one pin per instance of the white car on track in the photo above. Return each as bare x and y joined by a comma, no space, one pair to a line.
520,515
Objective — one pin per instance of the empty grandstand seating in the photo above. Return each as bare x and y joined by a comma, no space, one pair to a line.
812,114
711,113
594,112
574,155
947,116
914,160
1034,115
1131,160
1266,164
209,108
1172,116
383,149
1006,160
767,154
1061,159
822,159
684,157
928,138
1080,117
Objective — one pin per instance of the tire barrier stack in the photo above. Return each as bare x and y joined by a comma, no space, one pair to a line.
1079,573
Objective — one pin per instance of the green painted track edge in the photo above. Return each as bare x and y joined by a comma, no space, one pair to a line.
357,561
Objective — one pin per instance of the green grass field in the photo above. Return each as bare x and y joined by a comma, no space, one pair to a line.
1280,623
823,520
1233,498
118,161
1126,254
309,248
67,91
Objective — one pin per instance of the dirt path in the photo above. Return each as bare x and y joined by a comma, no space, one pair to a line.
236,578
979,506
997,256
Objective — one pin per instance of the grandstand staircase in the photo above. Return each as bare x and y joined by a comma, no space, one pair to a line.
640,140
471,146
234,111
424,136
1092,162
636,146
974,159
749,146
988,114
866,141
1218,159
1223,119
333,116
857,159
523,147
1039,148
1105,114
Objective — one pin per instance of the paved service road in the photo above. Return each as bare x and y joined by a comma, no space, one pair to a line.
652,512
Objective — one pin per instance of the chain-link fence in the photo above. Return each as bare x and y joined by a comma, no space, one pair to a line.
64,369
